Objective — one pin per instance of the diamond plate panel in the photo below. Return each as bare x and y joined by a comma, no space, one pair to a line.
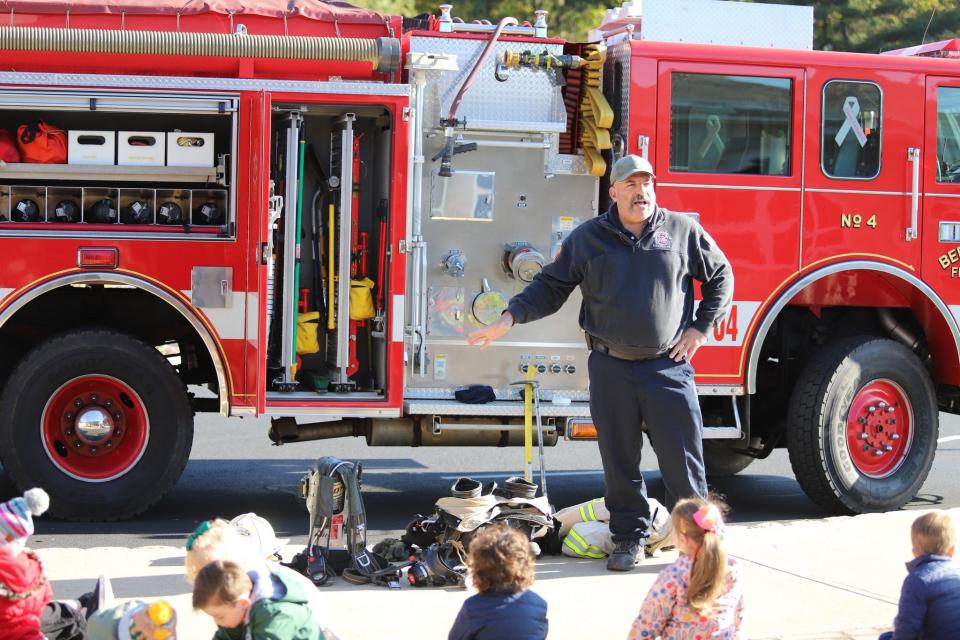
529,100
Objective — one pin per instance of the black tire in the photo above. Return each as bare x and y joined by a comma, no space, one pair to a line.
56,365
722,461
817,431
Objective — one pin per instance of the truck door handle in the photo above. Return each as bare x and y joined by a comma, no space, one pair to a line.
913,156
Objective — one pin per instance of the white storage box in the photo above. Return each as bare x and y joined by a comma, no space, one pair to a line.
143,148
91,147
188,149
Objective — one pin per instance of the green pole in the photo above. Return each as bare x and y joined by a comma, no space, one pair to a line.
296,272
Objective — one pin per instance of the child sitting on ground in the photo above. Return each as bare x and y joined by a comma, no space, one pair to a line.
930,596
699,594
253,606
221,540
27,608
134,620
501,565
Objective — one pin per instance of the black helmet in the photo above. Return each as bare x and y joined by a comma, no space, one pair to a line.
443,559
169,213
137,212
67,211
26,211
103,212
208,213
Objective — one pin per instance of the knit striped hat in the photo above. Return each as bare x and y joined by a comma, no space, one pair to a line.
16,515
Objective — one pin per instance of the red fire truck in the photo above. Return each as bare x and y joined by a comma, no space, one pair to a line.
299,210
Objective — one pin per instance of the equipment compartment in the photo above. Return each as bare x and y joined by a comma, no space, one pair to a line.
123,188
327,264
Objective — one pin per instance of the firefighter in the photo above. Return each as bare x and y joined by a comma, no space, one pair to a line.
635,265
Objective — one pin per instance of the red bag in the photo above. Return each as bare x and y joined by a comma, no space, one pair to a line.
42,143
8,148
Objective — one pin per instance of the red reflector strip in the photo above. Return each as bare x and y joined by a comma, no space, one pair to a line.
98,257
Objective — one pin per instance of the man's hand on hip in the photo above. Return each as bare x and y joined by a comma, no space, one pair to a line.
687,345
484,337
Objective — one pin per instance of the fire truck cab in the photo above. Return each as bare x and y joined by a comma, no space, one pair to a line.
300,210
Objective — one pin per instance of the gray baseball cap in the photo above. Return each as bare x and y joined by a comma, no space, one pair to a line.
629,165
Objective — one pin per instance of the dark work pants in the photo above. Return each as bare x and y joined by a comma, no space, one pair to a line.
661,393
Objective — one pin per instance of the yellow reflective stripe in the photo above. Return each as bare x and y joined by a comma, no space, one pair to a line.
593,515
583,514
587,549
584,553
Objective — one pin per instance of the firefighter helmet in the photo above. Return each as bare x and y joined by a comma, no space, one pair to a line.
102,212
26,211
67,211
208,213
137,212
170,213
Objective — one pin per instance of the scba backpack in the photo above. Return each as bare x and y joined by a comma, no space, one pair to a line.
42,143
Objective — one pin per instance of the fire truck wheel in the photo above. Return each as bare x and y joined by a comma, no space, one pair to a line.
862,425
100,420
722,461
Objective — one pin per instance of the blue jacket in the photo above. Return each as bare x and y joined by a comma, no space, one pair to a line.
929,600
501,614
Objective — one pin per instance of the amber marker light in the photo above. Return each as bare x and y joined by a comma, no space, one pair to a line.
581,430
98,257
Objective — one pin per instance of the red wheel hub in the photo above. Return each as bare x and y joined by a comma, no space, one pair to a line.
95,428
879,428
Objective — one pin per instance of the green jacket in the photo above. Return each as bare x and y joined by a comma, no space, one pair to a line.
288,618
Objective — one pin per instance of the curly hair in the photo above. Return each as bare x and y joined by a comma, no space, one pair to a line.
500,558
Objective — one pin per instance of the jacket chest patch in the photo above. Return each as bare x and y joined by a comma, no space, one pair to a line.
662,240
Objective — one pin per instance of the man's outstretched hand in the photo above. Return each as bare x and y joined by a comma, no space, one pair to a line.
484,337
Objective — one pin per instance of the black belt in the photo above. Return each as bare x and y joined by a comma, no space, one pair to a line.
596,345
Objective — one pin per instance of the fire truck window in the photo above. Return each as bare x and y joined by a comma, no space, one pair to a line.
948,134
851,130
730,124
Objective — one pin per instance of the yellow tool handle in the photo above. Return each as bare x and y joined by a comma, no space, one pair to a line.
331,290
528,425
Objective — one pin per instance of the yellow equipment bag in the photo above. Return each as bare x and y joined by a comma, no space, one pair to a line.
361,299
307,324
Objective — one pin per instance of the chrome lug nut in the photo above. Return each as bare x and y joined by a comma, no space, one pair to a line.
69,416
93,449
93,398
888,447
117,432
108,403
882,404
108,444
863,435
894,436
69,432
76,444
116,416
78,403
890,409
877,452
871,408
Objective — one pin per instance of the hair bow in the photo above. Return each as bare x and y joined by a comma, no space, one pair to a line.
201,529
709,518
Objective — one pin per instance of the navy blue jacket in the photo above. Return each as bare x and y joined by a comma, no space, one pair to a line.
497,615
637,292
929,600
